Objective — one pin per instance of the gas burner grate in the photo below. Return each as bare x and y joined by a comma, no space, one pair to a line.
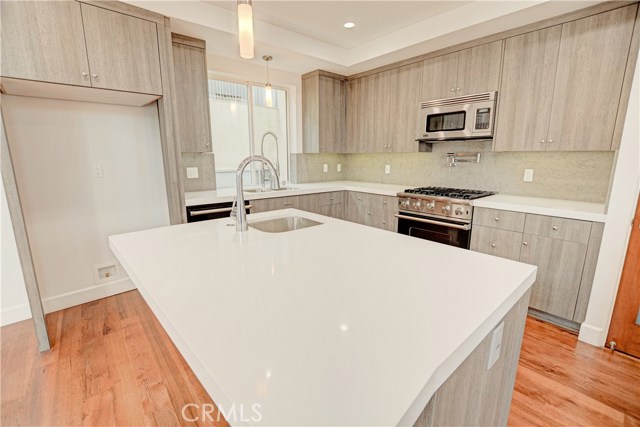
454,193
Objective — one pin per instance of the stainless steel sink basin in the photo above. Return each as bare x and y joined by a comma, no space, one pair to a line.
268,190
283,224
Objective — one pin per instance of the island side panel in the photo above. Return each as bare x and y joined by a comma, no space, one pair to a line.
474,395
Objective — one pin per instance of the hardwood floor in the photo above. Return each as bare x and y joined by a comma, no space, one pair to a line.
564,382
111,363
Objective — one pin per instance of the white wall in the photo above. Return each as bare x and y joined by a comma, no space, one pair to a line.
69,213
13,296
622,203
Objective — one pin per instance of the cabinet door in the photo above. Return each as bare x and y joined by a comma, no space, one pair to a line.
492,241
439,77
560,266
332,115
479,69
308,202
353,116
123,51
311,114
591,67
332,211
526,90
44,40
192,98
356,205
379,124
404,102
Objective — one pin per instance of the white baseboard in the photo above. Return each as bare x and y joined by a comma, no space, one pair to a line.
14,314
59,302
592,335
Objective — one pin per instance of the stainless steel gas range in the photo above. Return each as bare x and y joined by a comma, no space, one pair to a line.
439,214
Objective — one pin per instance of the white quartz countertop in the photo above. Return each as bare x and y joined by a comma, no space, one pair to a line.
227,194
551,207
334,325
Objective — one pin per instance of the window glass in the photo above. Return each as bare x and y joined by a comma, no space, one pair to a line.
240,118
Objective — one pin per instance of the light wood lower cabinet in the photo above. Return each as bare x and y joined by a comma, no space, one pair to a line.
372,209
564,250
328,204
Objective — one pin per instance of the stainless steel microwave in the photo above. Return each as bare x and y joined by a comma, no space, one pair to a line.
463,117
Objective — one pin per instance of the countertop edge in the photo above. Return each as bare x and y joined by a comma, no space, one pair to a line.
542,210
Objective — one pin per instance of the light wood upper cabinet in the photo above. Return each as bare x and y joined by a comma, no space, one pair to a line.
324,100
592,61
404,100
44,40
479,69
460,73
192,94
561,86
123,51
439,76
528,76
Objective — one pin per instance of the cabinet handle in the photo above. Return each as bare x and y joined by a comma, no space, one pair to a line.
453,89
550,141
542,141
554,228
525,244
95,76
457,89
496,219
84,74
493,245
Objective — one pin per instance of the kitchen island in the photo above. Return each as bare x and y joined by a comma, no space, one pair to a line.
337,324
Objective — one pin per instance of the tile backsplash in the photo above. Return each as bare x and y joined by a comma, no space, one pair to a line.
580,176
206,171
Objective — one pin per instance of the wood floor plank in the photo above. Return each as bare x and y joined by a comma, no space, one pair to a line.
112,363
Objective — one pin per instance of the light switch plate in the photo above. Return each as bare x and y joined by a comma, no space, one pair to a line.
387,169
496,345
528,175
325,168
339,167
192,173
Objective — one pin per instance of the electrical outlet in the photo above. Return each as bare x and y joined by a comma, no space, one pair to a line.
192,173
325,168
528,175
105,272
97,171
339,168
496,345
387,169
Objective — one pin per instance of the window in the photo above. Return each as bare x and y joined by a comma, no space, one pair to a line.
243,125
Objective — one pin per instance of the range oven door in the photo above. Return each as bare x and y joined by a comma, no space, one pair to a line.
437,230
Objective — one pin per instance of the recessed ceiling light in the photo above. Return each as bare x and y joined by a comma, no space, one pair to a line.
349,25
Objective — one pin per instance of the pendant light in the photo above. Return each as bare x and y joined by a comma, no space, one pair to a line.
245,28
267,88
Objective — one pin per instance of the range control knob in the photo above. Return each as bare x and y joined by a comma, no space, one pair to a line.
416,205
431,205
446,209
459,211
404,203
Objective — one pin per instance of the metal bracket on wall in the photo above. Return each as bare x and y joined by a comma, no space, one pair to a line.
455,158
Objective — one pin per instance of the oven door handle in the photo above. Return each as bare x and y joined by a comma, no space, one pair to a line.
212,211
466,227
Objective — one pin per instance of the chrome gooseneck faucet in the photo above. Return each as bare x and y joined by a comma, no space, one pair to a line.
241,213
275,137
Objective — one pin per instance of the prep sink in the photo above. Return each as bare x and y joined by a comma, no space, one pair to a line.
283,224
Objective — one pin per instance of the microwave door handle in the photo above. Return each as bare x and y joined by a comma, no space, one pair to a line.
465,227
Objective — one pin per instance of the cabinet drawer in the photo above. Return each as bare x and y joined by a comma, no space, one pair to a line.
384,202
572,230
504,220
493,241
331,198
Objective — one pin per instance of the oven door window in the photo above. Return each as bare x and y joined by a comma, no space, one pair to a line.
446,121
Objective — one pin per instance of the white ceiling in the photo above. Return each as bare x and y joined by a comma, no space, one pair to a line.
305,35
323,20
